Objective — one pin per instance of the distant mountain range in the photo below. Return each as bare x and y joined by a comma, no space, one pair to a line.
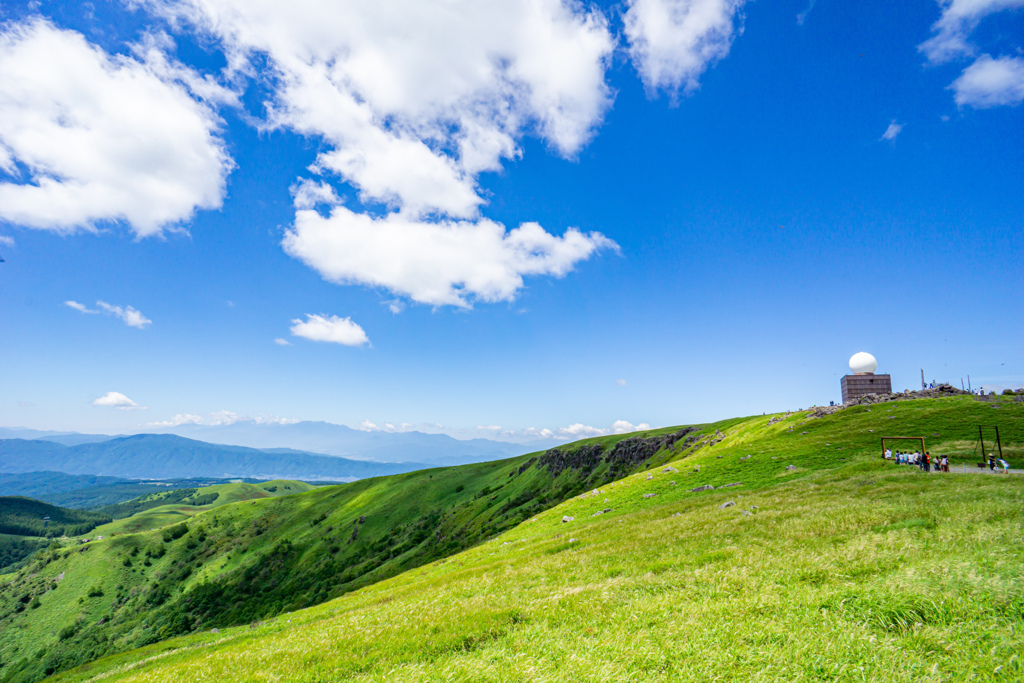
166,456
322,438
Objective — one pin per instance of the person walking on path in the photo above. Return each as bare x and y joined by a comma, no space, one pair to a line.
992,462
944,464
1005,465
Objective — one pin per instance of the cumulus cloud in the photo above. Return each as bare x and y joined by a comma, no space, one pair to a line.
367,426
416,98
221,418
438,263
892,131
330,328
87,137
115,399
128,315
957,21
413,101
990,82
672,42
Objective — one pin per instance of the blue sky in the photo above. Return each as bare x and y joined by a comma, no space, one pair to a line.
316,215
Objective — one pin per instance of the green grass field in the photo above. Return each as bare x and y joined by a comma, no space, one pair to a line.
162,515
843,568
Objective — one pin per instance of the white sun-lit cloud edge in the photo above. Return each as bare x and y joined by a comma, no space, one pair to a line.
410,130
129,315
88,137
221,418
115,399
988,81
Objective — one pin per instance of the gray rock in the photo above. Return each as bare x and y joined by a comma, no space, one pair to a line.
650,476
678,514
671,483
650,495
606,510
790,468
214,630
706,487
572,540
747,513
669,469
735,483
567,518
727,504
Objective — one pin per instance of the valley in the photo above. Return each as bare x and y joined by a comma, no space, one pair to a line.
466,571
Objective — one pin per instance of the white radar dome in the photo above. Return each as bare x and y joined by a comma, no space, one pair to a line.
862,363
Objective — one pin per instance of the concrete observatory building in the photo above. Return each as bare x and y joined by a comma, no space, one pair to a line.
864,381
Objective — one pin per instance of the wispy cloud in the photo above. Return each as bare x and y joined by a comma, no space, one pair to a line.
621,382
129,315
892,131
280,341
802,16
6,241
115,399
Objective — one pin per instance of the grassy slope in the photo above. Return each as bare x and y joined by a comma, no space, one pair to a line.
704,593
162,515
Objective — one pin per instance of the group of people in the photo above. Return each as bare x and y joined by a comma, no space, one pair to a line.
926,461
923,460
1002,463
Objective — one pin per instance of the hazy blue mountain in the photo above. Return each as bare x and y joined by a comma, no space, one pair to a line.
339,440
166,456
65,438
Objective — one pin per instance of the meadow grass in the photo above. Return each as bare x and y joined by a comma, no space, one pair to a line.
841,548
845,568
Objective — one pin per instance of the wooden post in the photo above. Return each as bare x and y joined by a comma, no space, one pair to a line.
982,437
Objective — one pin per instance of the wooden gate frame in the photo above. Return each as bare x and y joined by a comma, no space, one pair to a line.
902,438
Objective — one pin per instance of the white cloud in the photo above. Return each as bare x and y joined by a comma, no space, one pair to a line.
416,98
991,82
330,329
103,137
489,428
672,42
6,240
621,382
448,262
892,131
221,418
802,16
622,427
367,426
413,100
958,20
280,341
114,399
128,315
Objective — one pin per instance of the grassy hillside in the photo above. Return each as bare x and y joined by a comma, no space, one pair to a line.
826,516
27,517
858,572
156,510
